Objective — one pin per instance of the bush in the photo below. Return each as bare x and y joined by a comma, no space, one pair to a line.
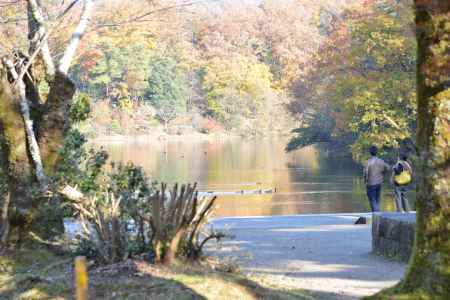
123,213
130,219
176,219
130,183
104,216
81,108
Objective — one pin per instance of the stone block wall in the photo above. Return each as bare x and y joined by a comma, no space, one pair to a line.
393,234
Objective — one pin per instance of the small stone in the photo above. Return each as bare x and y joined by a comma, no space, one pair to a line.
361,220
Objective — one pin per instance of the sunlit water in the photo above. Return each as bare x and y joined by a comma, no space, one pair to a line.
306,181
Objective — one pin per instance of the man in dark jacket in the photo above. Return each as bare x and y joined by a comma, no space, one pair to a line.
374,172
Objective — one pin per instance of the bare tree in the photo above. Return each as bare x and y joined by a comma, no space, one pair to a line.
32,128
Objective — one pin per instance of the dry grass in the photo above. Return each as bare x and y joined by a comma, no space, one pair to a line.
42,275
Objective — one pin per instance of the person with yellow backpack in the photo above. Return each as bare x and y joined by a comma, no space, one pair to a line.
402,174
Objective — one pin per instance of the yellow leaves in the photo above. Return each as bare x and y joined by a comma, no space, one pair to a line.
397,43
375,35
236,85
387,22
150,43
373,85
126,104
9,12
441,134
380,60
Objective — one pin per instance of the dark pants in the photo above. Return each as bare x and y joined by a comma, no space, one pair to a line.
373,193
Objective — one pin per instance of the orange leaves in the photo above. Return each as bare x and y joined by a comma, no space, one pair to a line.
89,59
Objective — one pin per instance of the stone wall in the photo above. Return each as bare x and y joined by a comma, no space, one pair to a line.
393,234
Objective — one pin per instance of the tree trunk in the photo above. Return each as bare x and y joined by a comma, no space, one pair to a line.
32,217
55,122
13,146
173,247
32,129
428,276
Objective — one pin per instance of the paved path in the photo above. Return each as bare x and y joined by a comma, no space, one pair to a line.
319,253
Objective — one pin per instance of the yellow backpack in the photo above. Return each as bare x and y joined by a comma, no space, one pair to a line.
402,176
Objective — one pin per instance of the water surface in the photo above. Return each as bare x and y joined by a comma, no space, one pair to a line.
306,181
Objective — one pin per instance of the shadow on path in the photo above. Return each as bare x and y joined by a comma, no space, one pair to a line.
325,253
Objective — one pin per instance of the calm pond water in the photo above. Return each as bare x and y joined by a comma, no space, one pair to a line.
306,181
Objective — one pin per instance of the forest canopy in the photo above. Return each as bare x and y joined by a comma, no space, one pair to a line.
339,72
362,91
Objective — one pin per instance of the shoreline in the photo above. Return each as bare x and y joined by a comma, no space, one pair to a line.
175,137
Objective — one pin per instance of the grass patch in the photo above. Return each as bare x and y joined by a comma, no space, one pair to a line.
39,274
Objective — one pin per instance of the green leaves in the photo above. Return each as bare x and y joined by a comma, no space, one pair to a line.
319,131
370,86
167,87
80,166
235,86
81,108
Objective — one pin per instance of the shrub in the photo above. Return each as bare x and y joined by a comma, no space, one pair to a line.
130,183
81,108
104,215
128,220
123,213
176,219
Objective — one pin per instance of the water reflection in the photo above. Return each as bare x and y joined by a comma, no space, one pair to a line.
307,181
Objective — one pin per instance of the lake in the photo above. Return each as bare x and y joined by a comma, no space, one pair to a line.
242,171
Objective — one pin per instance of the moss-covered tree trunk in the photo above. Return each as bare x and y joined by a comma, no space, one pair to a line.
428,275
14,153
32,214
32,129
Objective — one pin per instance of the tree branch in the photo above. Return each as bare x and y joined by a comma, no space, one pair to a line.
38,30
392,122
44,41
214,235
30,60
28,122
69,53
72,193
141,18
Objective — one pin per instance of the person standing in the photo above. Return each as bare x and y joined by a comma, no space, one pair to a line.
374,172
402,174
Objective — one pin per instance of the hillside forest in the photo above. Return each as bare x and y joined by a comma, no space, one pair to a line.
339,73
342,75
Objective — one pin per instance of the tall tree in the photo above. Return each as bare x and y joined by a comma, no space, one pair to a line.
167,88
32,125
364,81
428,276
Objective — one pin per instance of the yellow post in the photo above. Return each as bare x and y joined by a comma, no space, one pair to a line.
81,278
